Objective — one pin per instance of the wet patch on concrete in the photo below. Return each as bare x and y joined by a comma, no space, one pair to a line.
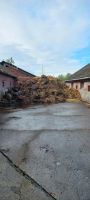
54,151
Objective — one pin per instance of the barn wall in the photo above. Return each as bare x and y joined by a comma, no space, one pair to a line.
86,86
85,96
6,83
79,85
76,85
69,85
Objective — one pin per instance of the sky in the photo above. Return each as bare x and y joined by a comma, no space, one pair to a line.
54,34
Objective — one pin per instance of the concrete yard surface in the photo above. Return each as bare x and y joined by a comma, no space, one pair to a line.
14,186
45,153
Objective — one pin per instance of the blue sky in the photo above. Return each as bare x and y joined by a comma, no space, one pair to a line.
55,33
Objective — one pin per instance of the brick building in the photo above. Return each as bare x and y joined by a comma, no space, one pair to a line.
80,79
9,74
14,71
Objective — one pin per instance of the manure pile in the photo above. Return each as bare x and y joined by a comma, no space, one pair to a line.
38,90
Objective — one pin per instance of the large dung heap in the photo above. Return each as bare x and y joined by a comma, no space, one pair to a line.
40,90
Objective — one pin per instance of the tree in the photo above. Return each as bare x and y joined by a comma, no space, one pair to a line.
64,77
10,60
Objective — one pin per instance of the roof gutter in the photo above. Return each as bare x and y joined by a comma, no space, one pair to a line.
72,80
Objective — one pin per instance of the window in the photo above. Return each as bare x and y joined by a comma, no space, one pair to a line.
3,83
72,85
89,88
76,87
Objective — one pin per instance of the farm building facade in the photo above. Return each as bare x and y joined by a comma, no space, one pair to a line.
7,82
80,79
9,74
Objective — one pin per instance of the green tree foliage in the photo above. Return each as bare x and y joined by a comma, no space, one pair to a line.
10,60
64,77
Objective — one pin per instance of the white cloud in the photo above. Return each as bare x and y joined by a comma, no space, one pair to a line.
46,32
